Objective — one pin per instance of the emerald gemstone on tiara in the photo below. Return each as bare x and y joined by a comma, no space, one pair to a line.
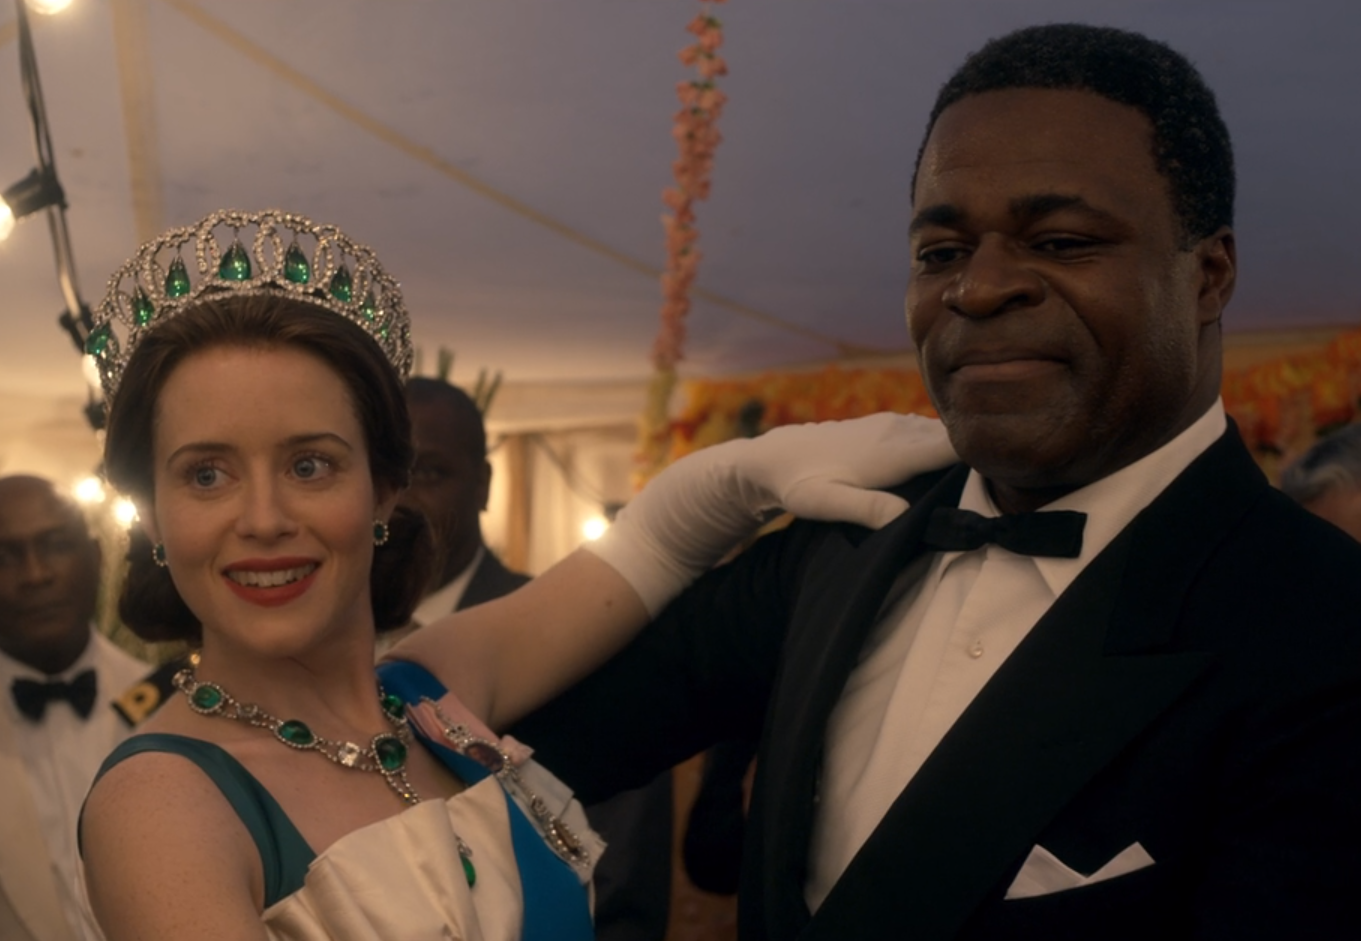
177,279
296,268
369,307
98,340
235,264
142,308
342,285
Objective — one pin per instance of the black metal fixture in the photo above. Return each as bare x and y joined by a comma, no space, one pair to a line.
41,191
33,193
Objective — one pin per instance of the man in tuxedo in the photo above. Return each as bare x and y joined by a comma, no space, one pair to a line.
59,676
1133,714
449,484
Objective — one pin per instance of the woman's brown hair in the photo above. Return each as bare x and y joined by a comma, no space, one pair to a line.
149,604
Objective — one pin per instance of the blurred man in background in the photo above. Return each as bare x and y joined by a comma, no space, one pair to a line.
449,485
1326,481
56,724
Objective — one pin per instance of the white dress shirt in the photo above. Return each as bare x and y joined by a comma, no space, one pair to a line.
62,752
941,637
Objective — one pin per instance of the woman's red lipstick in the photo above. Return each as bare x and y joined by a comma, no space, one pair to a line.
272,596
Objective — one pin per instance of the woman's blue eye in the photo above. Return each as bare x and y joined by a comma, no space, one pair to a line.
308,467
205,476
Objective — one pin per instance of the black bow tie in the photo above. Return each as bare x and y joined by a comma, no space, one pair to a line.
32,696
1056,533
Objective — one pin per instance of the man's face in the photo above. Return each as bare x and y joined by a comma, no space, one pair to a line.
449,483
1062,328
49,576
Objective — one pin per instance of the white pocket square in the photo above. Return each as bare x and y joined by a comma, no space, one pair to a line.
1043,873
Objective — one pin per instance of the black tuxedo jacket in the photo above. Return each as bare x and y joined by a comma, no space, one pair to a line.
491,579
1196,690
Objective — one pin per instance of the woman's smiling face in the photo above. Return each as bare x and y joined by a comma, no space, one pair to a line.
264,499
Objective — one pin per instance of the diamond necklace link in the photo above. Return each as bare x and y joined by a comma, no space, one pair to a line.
385,754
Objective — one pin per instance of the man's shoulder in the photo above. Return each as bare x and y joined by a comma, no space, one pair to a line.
148,690
1308,556
1279,598
492,562
493,568
491,579
111,657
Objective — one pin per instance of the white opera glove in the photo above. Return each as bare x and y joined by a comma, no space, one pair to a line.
695,511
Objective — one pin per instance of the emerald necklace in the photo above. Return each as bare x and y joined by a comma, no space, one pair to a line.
385,754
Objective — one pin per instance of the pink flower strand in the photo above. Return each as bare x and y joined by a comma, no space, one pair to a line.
697,139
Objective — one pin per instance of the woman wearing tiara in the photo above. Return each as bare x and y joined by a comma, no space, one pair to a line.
256,417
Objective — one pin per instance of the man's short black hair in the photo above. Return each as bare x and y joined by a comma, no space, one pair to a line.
424,389
1191,146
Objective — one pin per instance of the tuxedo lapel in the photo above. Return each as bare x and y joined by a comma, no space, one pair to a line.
490,581
1087,679
845,585
26,880
1172,539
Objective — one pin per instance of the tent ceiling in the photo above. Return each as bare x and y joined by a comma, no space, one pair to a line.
506,159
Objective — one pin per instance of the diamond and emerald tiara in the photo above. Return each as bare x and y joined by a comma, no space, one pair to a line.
268,252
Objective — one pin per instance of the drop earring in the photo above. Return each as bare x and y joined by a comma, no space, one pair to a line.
380,533
158,554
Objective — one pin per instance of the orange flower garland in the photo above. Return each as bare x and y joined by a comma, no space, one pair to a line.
716,410
697,139
1281,406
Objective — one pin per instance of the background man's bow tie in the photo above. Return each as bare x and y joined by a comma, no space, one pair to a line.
32,696
1056,533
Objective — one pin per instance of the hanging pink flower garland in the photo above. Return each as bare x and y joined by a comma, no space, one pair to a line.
697,139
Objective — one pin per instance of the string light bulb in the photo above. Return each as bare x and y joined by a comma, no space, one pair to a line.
124,512
594,528
90,491
48,7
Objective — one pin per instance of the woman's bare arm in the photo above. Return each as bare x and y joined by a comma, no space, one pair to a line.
166,857
507,657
